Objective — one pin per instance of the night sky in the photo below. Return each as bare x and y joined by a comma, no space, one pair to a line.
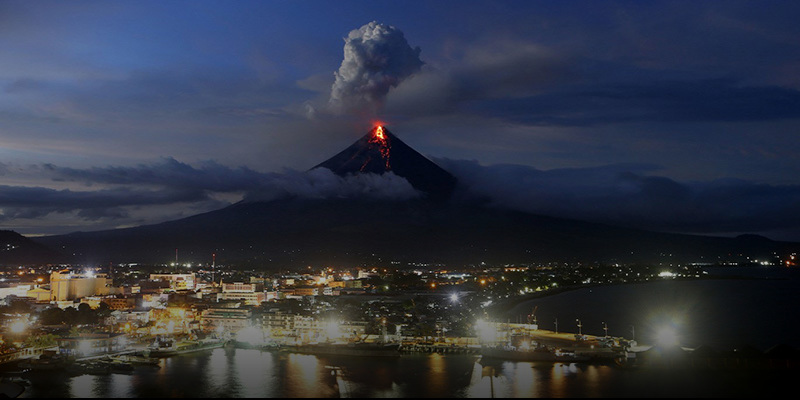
671,116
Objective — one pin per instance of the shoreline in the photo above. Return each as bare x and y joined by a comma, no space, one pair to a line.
506,305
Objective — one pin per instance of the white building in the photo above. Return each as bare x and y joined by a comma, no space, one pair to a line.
69,285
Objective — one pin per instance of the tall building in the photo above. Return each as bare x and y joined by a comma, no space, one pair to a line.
70,285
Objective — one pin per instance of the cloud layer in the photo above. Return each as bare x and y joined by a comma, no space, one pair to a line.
109,197
632,195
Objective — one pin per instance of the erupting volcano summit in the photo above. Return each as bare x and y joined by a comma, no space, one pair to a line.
380,151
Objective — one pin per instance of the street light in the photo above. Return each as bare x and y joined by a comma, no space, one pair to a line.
579,327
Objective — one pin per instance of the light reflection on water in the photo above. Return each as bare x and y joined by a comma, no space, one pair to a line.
251,373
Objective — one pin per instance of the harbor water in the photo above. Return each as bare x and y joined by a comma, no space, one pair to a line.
248,373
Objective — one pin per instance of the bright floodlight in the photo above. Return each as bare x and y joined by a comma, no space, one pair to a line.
333,330
667,336
85,347
18,327
251,335
454,297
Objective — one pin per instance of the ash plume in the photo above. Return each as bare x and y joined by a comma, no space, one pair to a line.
377,57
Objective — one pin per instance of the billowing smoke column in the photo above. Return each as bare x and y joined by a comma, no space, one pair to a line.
377,57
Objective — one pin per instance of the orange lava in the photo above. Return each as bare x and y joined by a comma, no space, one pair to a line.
380,139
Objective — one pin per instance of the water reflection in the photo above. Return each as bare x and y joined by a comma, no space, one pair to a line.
252,373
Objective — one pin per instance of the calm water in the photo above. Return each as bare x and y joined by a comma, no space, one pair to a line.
721,313
251,373
725,312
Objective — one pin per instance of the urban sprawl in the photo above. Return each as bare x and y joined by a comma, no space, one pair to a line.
90,311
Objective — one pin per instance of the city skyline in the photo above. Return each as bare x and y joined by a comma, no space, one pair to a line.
662,116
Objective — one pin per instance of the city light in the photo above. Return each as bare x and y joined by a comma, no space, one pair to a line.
85,347
18,326
486,331
667,336
333,330
251,335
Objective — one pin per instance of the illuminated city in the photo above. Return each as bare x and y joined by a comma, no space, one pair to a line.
473,199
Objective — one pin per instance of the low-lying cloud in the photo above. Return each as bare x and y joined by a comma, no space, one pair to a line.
631,195
108,197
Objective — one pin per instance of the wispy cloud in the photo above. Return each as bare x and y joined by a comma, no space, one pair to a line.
634,195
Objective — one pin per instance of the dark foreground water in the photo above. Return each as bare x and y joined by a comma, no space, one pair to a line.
760,310
721,313
251,373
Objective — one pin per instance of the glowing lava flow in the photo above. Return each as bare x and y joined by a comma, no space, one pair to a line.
380,139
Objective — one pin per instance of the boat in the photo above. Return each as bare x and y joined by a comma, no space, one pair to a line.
347,349
537,354
93,367
96,368
169,347
118,366
137,360
48,361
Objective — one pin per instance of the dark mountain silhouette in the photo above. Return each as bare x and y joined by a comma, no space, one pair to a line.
299,232
445,226
16,249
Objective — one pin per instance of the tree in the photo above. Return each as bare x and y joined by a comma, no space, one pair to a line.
52,316
86,315
20,307
70,316
39,341
103,311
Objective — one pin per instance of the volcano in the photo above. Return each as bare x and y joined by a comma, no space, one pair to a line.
439,227
380,151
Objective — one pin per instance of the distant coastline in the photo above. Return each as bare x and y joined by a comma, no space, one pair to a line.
506,305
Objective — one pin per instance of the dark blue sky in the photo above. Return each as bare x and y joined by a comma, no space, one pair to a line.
679,116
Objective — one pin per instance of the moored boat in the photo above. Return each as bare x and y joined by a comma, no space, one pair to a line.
538,354
137,360
48,361
171,347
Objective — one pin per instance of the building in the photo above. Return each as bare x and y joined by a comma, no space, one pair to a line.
282,325
39,294
278,323
250,293
69,285
120,303
18,290
306,291
177,281
90,344
225,319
